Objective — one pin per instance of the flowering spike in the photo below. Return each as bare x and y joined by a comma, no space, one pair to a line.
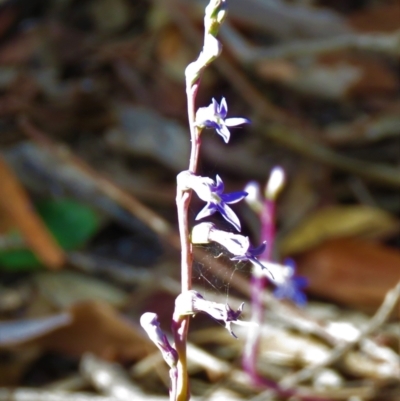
214,116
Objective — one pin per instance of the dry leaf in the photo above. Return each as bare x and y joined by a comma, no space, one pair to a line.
99,329
15,203
90,326
336,222
354,272
17,332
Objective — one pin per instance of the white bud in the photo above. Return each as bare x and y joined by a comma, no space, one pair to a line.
275,183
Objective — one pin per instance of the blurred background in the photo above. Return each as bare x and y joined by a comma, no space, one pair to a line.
93,131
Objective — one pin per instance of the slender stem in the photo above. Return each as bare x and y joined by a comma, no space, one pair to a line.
180,325
258,284
191,93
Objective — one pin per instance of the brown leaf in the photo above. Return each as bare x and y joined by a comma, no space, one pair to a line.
354,272
15,203
99,329
89,326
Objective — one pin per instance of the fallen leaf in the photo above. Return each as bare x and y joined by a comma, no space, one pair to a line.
353,272
99,329
70,222
338,221
89,326
20,331
16,204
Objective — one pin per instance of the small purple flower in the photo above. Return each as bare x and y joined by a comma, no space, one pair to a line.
238,245
291,286
191,302
249,253
214,116
212,192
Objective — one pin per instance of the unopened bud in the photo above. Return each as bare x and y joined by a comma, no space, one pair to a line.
275,183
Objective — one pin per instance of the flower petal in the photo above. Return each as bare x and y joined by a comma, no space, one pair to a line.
235,121
229,215
207,210
224,132
258,250
223,109
210,124
214,107
219,188
254,260
234,197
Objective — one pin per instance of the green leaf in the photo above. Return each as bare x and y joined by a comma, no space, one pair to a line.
71,223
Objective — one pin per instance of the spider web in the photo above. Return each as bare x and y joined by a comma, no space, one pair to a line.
203,277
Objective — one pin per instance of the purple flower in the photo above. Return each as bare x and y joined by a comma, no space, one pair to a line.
238,245
214,116
249,253
191,302
290,286
212,192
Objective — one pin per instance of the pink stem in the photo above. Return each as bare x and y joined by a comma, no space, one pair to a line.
180,325
258,284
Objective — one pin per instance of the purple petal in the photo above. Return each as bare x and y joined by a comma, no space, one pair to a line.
207,210
223,109
300,281
292,289
229,215
219,188
224,132
233,197
235,121
258,250
211,124
257,262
